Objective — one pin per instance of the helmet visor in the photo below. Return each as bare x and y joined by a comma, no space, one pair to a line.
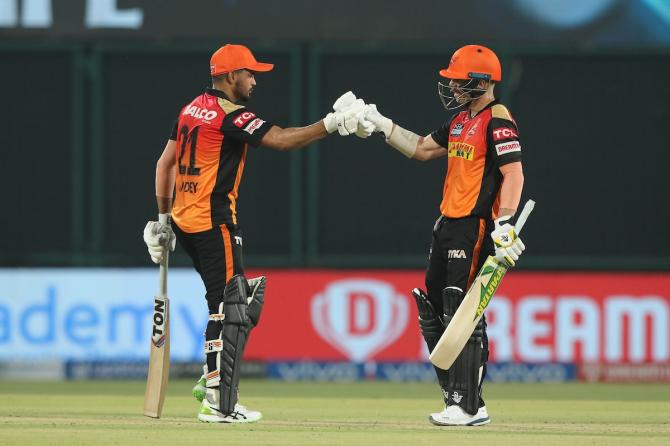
455,93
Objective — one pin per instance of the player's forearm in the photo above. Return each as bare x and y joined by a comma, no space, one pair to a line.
510,191
295,137
165,178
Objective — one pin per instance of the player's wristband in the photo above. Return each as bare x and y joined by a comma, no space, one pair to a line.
164,219
404,141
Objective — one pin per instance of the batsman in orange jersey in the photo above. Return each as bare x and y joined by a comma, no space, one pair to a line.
202,164
481,193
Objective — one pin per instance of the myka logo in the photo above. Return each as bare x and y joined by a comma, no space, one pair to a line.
359,317
457,254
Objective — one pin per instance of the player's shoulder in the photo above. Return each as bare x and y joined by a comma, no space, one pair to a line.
228,107
500,111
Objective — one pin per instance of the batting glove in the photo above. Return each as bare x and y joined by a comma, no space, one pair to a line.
507,244
332,121
158,236
381,123
347,109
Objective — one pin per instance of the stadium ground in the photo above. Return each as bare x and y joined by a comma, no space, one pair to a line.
369,413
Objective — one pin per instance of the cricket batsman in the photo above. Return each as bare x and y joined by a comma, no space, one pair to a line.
481,193
202,165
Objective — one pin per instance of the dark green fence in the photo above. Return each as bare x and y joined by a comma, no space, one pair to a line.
84,126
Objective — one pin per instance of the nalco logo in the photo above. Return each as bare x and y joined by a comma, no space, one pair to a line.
359,317
158,330
200,113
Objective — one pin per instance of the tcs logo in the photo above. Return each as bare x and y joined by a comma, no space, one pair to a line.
359,317
504,133
243,118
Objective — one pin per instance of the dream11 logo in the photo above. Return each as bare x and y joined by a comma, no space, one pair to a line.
359,317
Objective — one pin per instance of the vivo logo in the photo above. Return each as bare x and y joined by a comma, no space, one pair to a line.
359,317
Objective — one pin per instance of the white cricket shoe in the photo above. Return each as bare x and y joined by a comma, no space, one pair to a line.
209,413
455,416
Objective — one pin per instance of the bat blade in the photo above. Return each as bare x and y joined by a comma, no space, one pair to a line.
469,313
159,359
159,356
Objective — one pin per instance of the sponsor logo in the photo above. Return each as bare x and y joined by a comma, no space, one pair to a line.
254,125
159,317
504,133
456,130
461,150
359,317
508,147
457,397
472,130
200,113
530,373
316,371
494,274
243,118
457,254
625,372
215,345
238,240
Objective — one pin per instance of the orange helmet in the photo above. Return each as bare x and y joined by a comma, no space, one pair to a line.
473,62
468,66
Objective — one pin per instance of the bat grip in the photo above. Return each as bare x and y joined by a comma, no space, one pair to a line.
525,212
162,279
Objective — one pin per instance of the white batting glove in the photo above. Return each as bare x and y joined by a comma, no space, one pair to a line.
365,127
350,115
381,123
508,245
158,236
332,120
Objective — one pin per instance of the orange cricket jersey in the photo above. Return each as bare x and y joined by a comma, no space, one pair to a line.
477,147
212,136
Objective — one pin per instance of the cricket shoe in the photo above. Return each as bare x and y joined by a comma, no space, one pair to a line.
455,416
200,389
209,413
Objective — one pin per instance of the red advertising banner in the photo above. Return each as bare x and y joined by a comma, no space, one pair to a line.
616,318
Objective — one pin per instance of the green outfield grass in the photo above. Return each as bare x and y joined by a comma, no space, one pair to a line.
369,413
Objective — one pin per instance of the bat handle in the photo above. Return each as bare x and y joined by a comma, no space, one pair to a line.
162,280
525,212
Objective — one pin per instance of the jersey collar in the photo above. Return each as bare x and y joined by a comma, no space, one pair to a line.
489,105
217,93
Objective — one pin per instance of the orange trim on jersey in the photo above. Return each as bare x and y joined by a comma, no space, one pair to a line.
232,195
476,251
228,252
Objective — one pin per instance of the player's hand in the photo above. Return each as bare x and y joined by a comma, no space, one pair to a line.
365,128
344,118
508,245
158,236
380,122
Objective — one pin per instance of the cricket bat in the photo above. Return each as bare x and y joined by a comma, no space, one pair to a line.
474,303
159,357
